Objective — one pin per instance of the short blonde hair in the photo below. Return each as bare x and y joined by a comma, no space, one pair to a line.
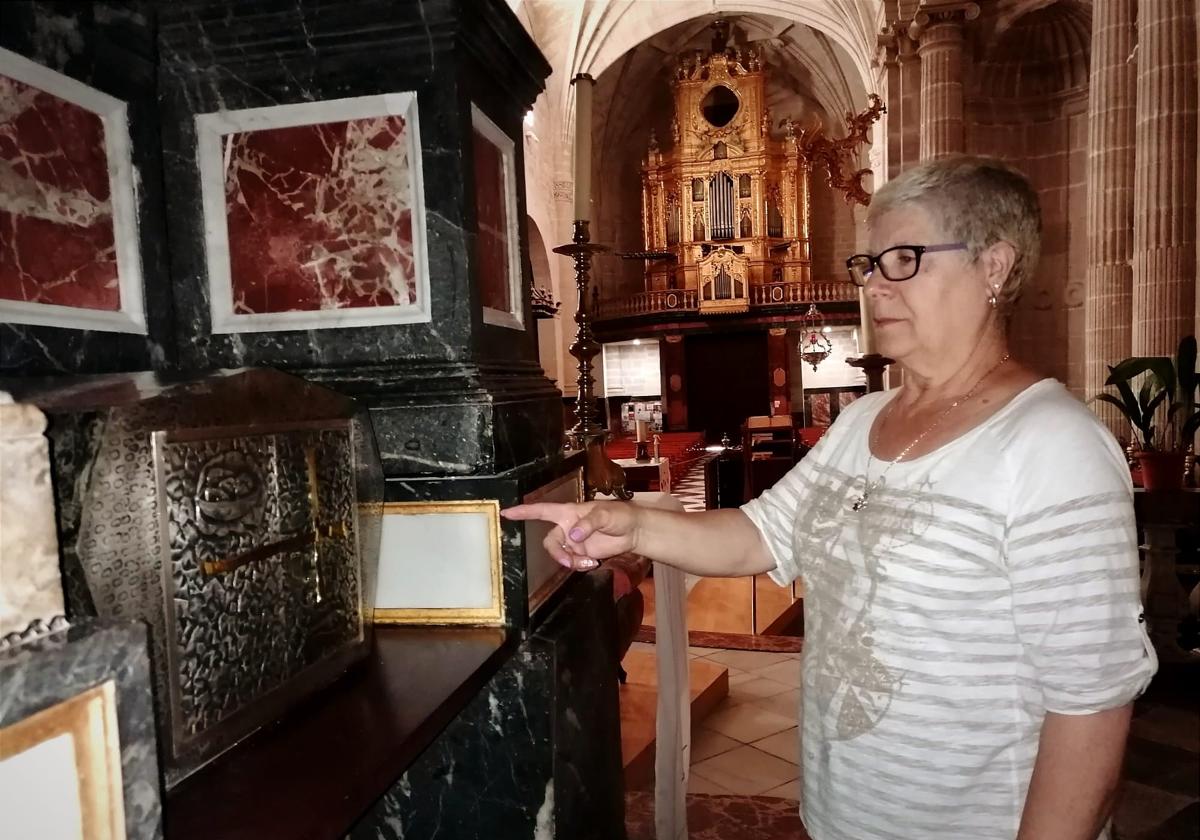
976,200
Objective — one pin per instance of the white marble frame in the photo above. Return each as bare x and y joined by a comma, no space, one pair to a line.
211,130
131,317
514,318
419,581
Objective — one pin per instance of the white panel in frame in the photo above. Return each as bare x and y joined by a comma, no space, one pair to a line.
87,270
314,215
439,563
497,243
70,755
543,574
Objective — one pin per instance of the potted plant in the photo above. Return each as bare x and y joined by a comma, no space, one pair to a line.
1167,396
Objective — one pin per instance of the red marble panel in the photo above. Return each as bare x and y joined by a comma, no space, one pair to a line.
57,243
820,410
845,398
320,217
491,211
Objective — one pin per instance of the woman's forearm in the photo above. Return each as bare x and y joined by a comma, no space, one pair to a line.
1075,776
715,543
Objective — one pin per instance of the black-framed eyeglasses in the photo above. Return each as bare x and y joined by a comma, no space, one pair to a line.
900,262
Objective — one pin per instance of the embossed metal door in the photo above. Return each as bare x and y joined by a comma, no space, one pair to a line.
261,573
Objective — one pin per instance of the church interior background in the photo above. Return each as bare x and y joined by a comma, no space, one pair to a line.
419,355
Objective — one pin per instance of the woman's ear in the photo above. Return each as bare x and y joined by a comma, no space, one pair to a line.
997,261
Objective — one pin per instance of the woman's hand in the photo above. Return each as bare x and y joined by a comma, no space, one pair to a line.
583,534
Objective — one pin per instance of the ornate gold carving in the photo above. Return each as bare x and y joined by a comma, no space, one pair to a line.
726,183
838,156
723,286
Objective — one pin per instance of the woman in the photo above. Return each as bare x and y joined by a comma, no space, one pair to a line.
973,639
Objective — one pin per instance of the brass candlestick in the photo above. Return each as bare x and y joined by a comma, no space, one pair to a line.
603,476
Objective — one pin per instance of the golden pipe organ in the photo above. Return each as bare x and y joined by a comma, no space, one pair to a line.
726,208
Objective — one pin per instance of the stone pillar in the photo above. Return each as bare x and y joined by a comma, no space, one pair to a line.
777,371
938,28
910,100
1108,305
892,122
1164,184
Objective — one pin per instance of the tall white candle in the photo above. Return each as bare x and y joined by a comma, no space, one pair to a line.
866,329
583,84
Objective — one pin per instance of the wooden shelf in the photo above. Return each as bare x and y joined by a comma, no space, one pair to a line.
312,774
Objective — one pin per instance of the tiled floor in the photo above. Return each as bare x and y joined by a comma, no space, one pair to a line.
749,745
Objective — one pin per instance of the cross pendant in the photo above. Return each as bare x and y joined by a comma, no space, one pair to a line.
860,502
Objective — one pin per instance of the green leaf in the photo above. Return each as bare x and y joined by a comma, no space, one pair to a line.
1132,414
1163,370
1130,368
1149,408
1190,427
1111,400
1149,384
1133,409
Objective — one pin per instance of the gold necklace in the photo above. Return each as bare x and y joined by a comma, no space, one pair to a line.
869,486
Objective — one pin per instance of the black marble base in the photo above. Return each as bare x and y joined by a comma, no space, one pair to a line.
460,418
537,753
41,673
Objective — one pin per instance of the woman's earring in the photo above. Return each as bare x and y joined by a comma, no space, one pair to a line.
992,300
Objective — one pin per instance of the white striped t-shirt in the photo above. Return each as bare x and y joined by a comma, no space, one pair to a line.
984,584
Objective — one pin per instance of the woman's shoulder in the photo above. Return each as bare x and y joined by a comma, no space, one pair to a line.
1046,406
1047,427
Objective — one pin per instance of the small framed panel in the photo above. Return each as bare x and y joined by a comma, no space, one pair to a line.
543,574
70,755
314,215
69,253
497,250
439,563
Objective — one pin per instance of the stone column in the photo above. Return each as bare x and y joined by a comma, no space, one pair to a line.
1108,305
938,28
674,367
887,60
1164,184
777,371
910,100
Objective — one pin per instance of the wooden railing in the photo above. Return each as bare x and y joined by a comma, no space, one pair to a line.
649,303
766,296
820,291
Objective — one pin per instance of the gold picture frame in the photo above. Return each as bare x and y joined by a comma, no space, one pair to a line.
489,616
90,719
551,491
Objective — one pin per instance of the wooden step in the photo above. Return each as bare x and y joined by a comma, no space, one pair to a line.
709,683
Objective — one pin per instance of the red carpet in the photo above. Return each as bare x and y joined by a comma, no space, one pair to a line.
732,641
720,817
